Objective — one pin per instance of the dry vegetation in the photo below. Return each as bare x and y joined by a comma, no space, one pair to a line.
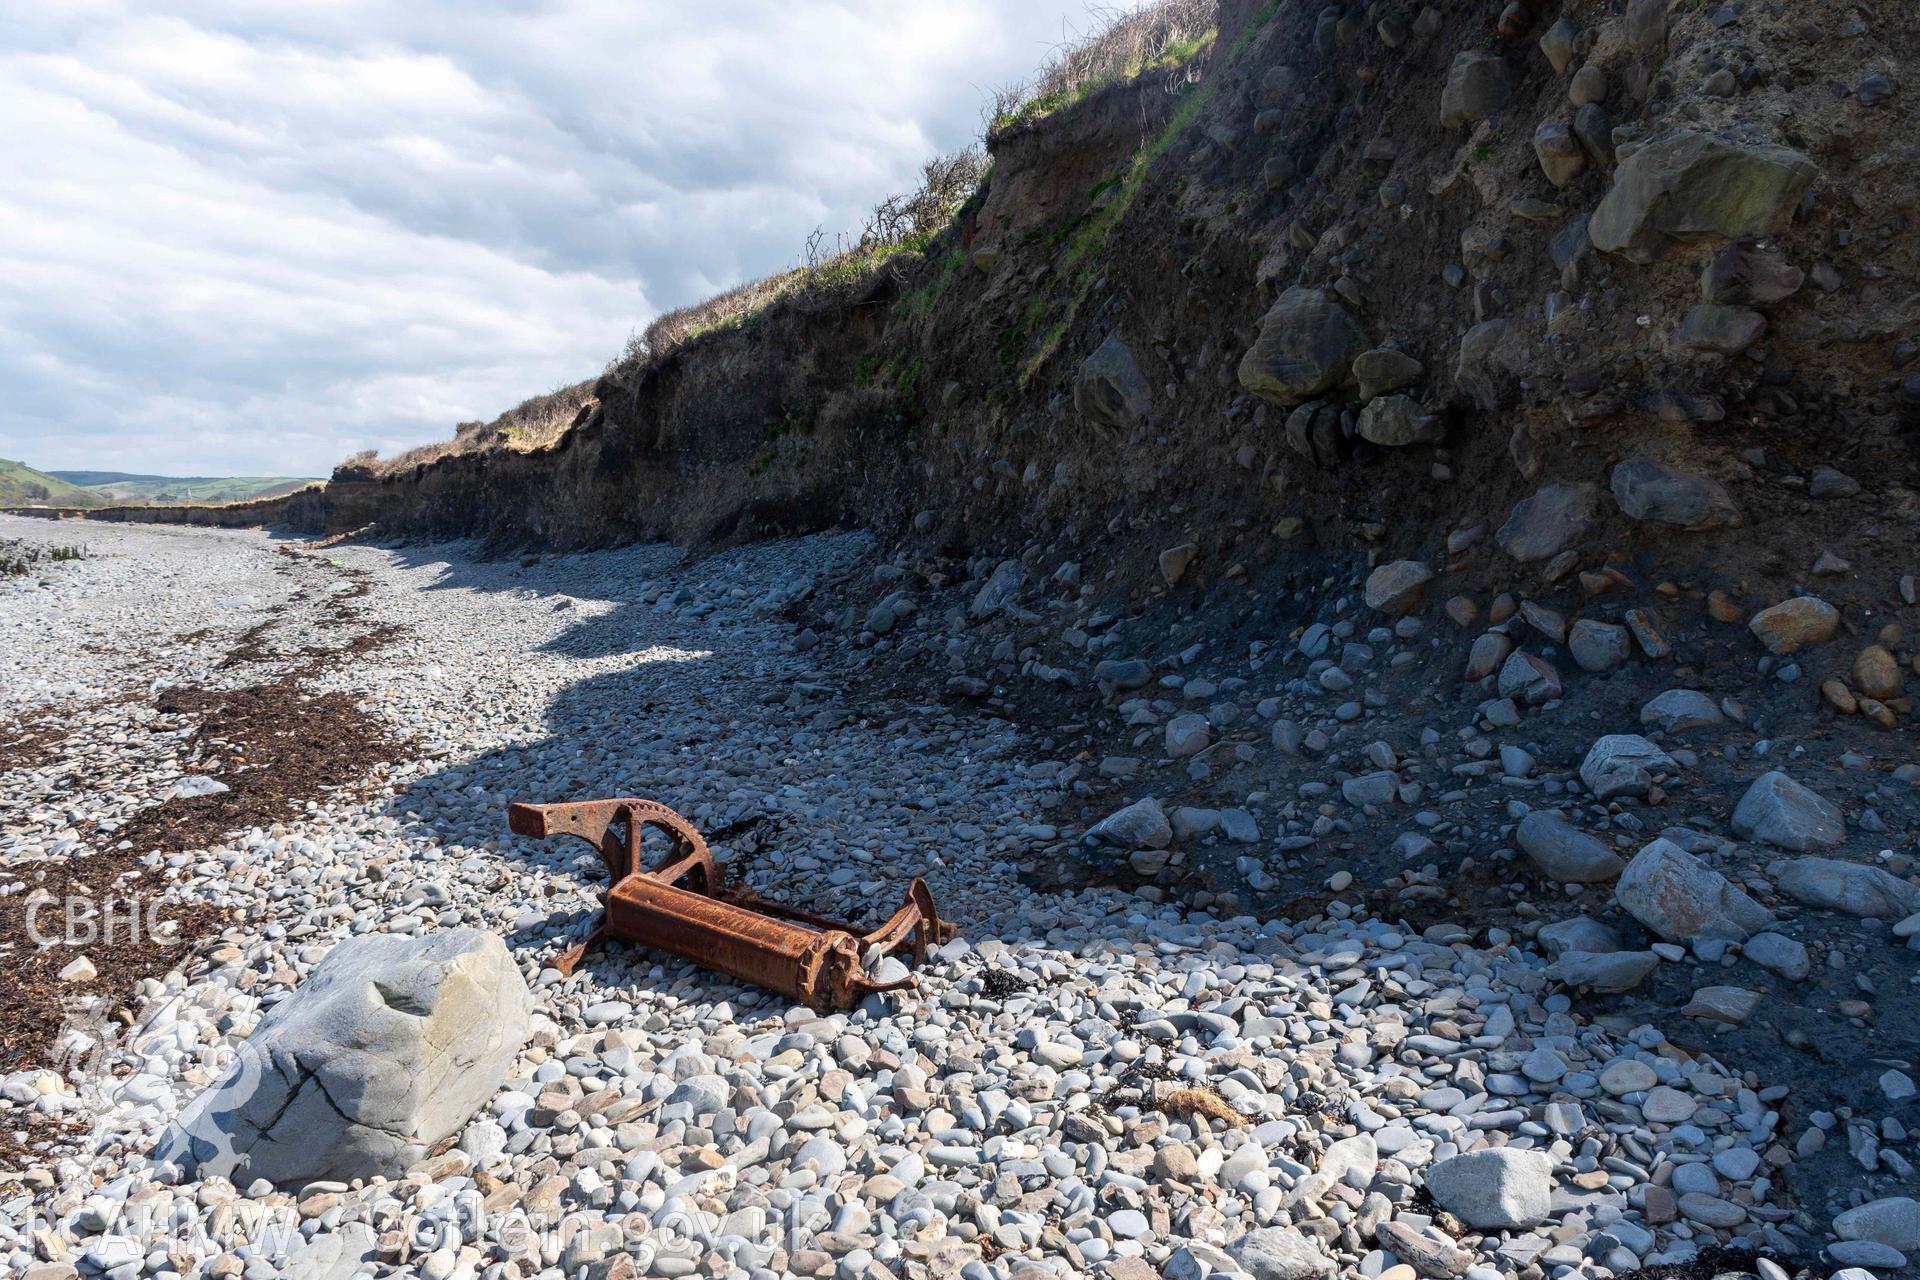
899,224
531,424
1122,45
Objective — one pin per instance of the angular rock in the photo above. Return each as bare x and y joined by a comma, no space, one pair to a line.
1377,787
1691,188
1681,899
1109,388
1396,588
1384,370
1187,735
1314,432
1478,85
1580,934
1623,764
1542,526
1654,493
1720,329
1499,1189
1175,561
1493,356
1852,887
1001,586
1731,1005
1436,1259
1792,625
1829,483
1396,421
1565,852
1560,155
1778,811
1528,679
1607,972
1141,825
1678,710
1306,348
1748,273
1779,953
1280,1253
389,1046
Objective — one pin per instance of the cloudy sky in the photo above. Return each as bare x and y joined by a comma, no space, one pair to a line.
252,236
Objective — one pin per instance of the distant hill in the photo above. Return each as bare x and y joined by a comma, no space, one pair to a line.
127,486
22,486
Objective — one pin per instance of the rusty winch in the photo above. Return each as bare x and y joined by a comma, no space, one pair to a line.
683,906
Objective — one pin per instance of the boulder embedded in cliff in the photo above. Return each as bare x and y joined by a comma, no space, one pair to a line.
389,1046
1492,358
1719,329
1109,388
1691,188
1749,273
1395,588
1397,420
1306,347
1384,370
1654,493
1540,527
1479,84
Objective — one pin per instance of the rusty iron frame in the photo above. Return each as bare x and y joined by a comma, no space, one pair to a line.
685,907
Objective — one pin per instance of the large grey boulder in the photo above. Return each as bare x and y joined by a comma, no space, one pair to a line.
1654,493
1306,348
1280,1253
1778,811
1623,764
1681,899
1141,825
1607,972
1852,887
389,1046
1692,188
1540,527
1109,387
1564,852
1499,1189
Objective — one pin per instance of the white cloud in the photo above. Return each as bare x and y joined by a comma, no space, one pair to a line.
247,237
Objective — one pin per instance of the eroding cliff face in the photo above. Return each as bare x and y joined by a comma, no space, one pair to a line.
1372,274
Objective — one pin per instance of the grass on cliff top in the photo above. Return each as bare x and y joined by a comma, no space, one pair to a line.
1156,38
1092,234
532,424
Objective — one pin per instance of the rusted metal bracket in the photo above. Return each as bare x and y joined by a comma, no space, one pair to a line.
684,907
